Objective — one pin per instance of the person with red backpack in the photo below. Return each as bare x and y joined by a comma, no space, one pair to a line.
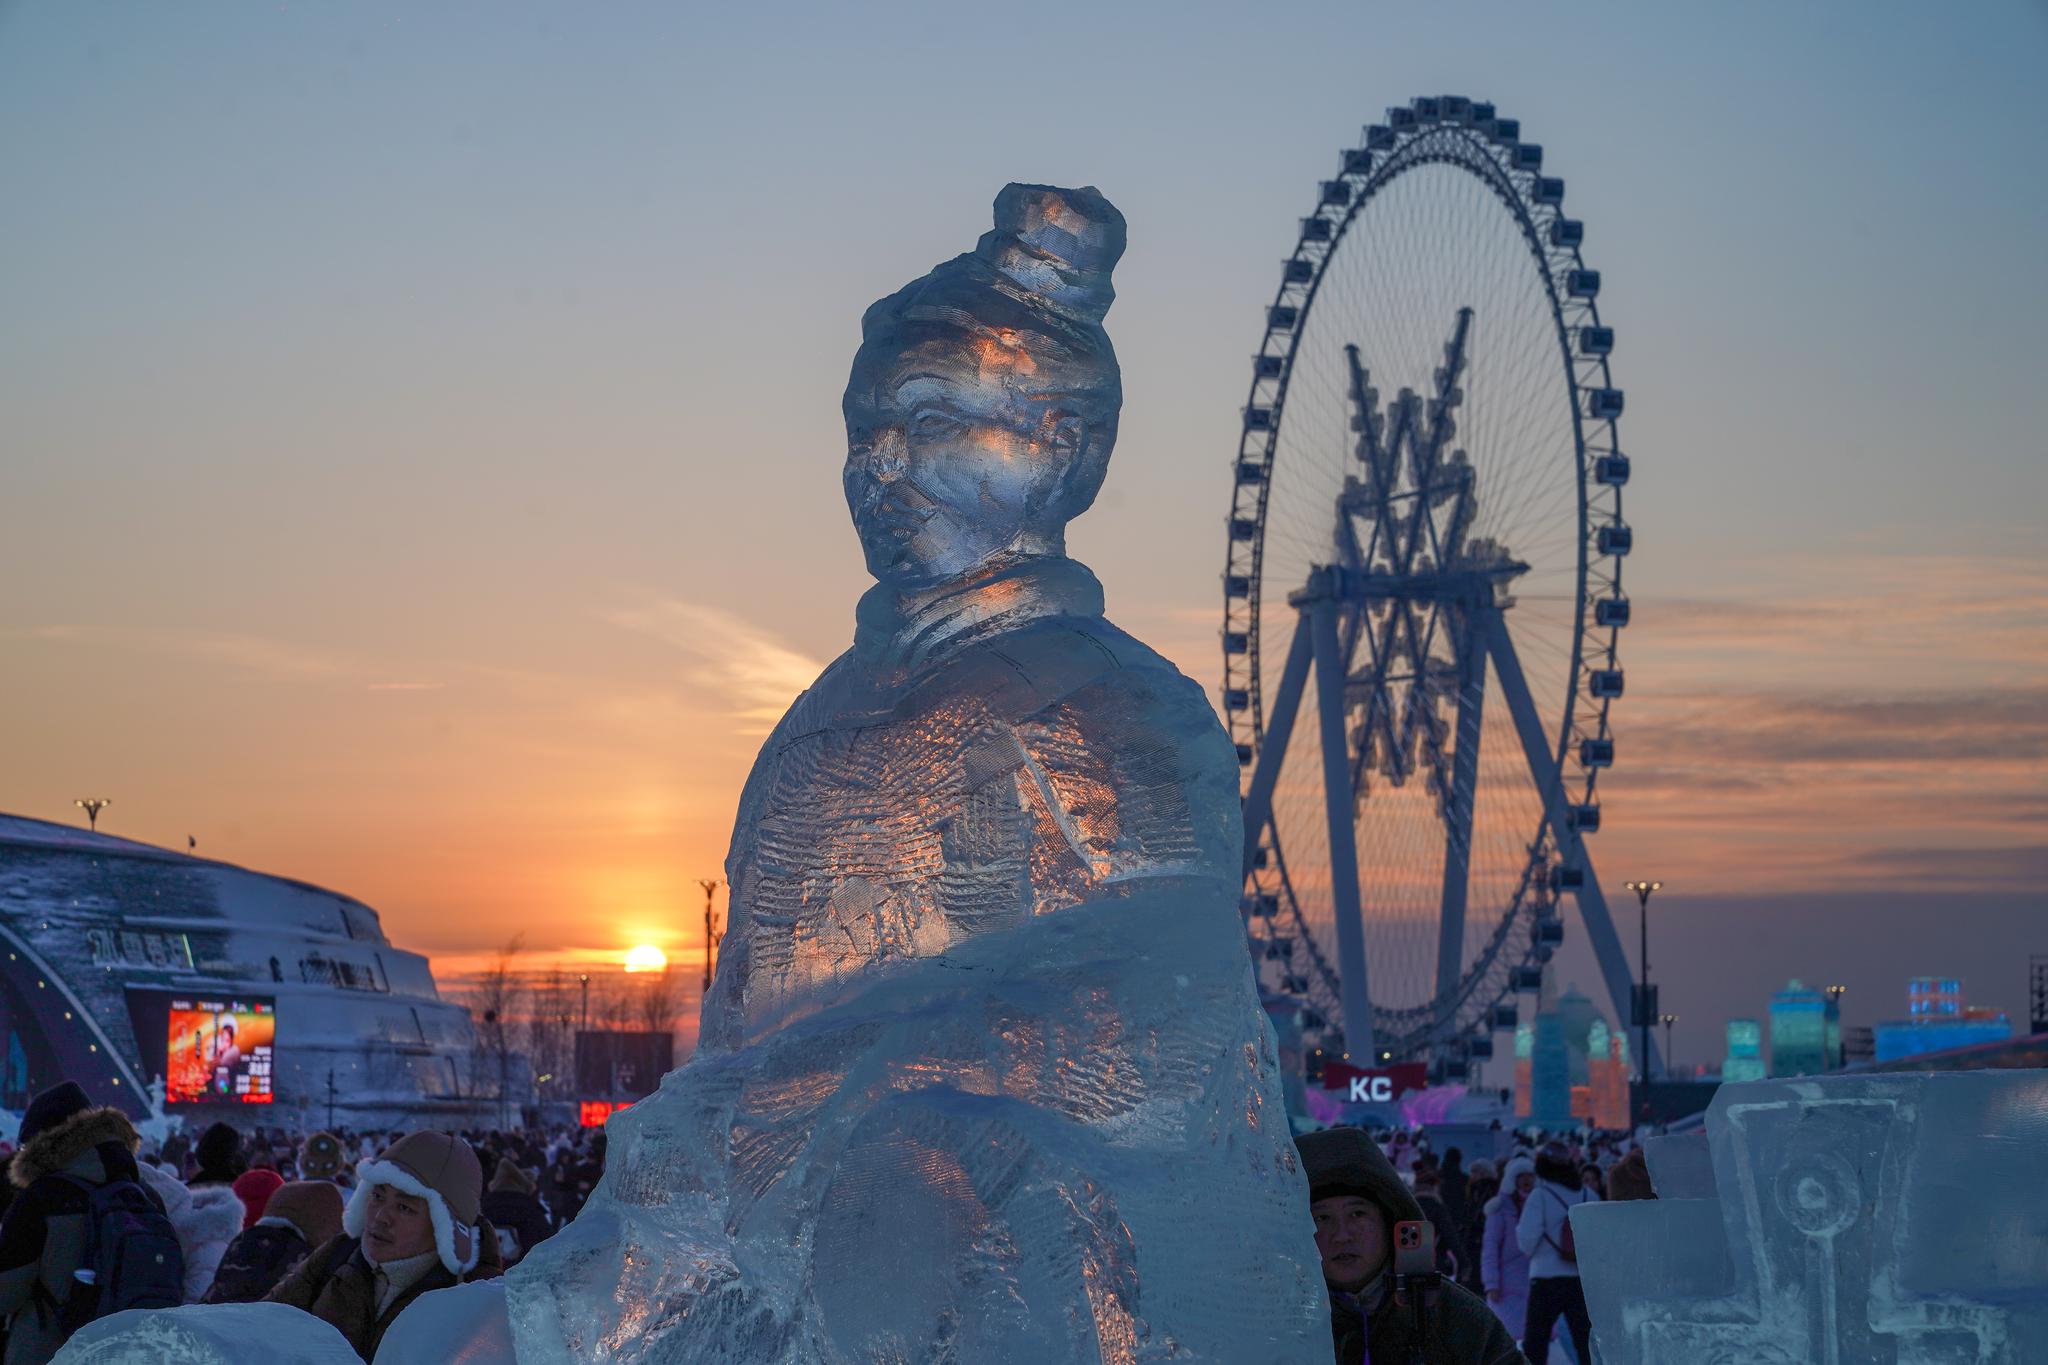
84,1238
1544,1234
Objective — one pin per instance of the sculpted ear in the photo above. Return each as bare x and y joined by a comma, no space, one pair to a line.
1081,453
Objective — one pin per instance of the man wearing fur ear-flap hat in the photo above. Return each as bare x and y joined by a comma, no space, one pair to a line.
412,1225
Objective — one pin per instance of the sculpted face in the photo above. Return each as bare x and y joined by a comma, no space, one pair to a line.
955,459
983,401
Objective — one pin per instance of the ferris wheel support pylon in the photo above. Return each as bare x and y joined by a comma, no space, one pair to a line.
1258,798
1331,676
1458,812
1607,949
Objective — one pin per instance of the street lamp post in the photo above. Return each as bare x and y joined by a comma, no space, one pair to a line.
92,806
1834,1060
710,885
1642,1001
1669,1020
570,1068
497,1035
585,978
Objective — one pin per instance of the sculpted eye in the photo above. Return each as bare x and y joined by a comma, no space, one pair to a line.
932,424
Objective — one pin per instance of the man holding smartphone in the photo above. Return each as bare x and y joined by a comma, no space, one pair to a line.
1358,1202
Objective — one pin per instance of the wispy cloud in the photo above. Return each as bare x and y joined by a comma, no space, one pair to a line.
1899,619
752,672
253,653
2000,727
2017,865
406,686
1802,787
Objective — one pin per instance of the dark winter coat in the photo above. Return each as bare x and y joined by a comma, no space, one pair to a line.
256,1261
42,1239
1456,1194
337,1284
566,1188
1472,1242
520,1219
1458,1329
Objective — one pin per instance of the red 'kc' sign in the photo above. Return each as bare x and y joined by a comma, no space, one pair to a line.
1376,1084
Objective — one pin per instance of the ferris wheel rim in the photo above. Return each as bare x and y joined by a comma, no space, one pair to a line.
1461,136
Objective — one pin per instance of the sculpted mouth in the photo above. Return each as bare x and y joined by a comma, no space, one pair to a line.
892,512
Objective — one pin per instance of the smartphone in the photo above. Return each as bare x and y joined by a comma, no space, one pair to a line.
1415,1247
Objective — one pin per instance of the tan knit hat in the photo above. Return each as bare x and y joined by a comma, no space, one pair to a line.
439,1168
311,1206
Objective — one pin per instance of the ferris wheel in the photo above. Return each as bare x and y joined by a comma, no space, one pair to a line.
1422,597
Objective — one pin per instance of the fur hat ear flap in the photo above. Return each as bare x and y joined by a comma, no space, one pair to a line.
468,1247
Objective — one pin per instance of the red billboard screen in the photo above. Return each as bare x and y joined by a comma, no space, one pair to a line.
593,1113
220,1051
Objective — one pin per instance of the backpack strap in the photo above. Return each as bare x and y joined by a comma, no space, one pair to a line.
1546,1222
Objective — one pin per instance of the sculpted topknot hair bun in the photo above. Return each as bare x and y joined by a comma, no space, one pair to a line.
1058,246
1042,269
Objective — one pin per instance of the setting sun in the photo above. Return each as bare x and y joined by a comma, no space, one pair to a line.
646,958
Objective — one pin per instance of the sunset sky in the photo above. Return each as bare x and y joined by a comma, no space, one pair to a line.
421,428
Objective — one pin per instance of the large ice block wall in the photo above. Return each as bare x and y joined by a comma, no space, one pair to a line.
1895,1219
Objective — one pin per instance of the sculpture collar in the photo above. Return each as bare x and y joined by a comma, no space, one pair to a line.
909,631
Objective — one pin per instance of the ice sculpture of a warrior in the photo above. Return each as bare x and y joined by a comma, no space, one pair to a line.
983,1076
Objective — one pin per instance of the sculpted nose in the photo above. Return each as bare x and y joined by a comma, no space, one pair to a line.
888,455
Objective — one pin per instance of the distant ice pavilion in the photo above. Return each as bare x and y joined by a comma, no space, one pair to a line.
136,970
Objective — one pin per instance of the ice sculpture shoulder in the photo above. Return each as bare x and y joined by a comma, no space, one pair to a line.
983,1075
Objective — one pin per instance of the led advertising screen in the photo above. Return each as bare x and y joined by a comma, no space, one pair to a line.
593,1113
219,1051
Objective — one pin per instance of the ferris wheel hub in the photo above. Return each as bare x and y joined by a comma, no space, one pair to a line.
1474,589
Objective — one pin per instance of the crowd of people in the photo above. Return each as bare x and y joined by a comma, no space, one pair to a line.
349,1226
1498,1279
1427,1259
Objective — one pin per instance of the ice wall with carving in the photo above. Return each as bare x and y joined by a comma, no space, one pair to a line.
1892,1218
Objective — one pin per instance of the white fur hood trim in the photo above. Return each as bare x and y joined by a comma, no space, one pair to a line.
356,1216
176,1198
214,1216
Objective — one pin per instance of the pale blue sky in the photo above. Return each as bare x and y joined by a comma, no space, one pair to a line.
415,346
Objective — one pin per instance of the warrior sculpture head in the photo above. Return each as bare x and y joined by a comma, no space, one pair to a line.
983,402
